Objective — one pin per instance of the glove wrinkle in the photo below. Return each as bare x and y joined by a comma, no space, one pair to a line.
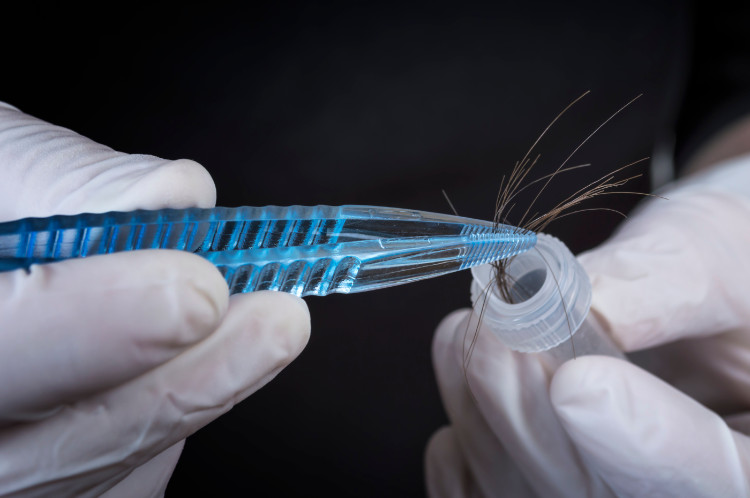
149,479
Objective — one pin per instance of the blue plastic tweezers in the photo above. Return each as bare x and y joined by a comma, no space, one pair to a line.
302,250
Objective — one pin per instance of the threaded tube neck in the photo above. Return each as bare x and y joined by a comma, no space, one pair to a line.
552,297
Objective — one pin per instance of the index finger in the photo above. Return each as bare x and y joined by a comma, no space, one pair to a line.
48,169
678,269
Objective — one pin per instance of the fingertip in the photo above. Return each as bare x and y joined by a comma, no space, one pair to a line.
452,319
446,471
581,381
199,293
176,184
444,340
260,335
604,418
294,315
440,443
8,106
172,299
612,406
281,317
441,453
445,332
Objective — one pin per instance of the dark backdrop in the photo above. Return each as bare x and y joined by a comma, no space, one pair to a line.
357,103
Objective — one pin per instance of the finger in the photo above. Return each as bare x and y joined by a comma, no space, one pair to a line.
489,462
644,437
677,269
712,370
511,391
47,169
446,471
80,326
103,437
151,478
739,422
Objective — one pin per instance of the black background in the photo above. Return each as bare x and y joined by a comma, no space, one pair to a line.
366,103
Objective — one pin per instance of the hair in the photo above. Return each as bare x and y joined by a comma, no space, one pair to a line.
530,220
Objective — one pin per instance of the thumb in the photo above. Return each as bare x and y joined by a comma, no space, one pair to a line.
644,437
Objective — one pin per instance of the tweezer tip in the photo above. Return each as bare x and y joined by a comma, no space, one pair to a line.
499,244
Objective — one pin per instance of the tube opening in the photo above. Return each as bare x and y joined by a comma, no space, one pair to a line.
527,274
525,287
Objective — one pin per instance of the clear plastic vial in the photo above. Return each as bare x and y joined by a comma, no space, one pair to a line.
552,299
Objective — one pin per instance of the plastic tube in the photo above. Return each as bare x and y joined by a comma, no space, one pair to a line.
552,309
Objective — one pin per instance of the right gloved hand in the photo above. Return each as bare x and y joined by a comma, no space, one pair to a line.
108,363
674,280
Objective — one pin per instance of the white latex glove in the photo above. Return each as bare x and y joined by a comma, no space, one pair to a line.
676,279
108,363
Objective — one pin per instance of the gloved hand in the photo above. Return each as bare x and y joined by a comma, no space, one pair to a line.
675,280
108,363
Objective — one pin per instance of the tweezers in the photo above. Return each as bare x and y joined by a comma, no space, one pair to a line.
302,250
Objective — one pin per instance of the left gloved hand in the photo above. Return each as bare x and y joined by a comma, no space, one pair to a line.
675,279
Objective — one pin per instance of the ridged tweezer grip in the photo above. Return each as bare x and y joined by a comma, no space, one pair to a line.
301,277
195,230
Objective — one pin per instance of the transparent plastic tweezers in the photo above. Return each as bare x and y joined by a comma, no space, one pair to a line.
303,250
